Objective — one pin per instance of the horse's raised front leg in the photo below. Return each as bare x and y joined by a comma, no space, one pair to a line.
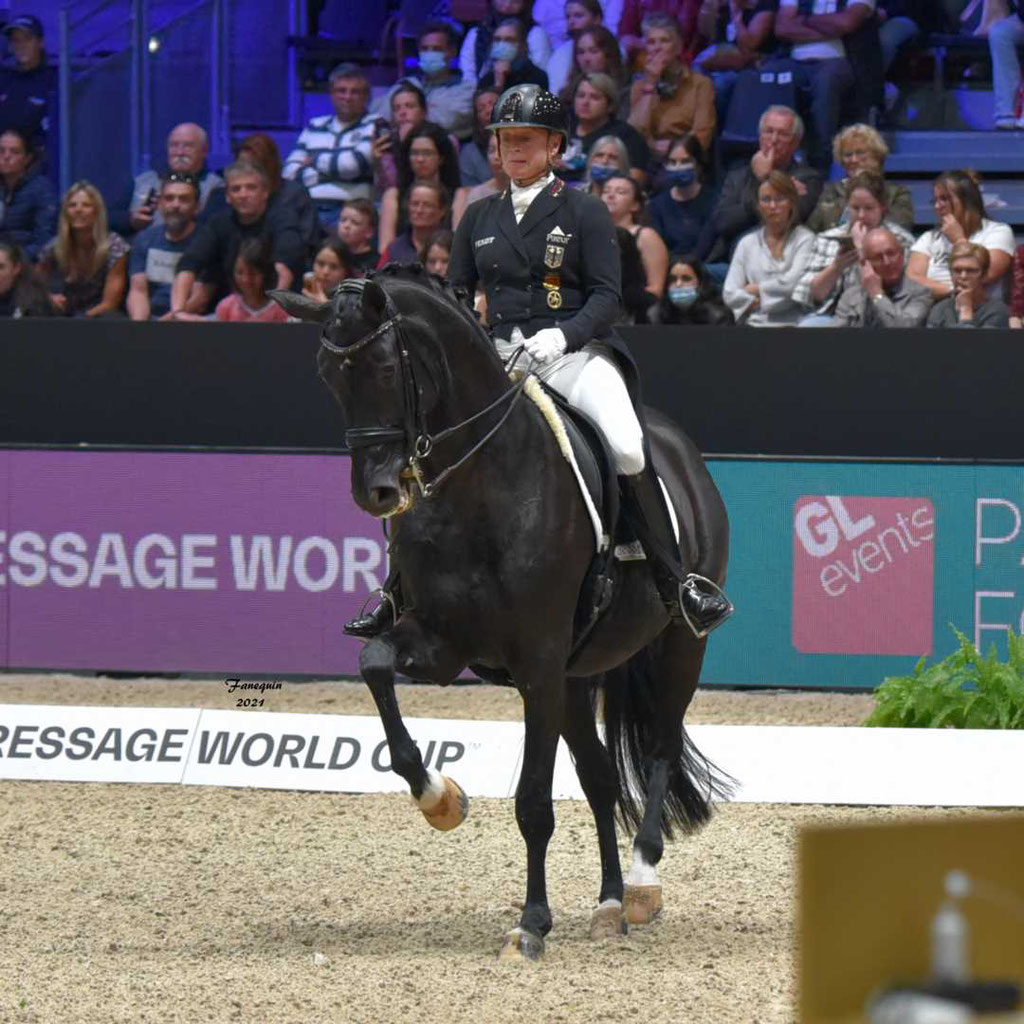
409,648
597,777
543,707
676,664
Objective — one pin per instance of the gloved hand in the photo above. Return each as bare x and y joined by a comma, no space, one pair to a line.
546,345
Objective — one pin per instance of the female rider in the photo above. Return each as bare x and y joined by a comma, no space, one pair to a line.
526,247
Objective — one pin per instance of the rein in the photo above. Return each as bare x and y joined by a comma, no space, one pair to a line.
419,441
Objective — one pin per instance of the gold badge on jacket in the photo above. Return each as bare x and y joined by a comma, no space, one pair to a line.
554,251
552,282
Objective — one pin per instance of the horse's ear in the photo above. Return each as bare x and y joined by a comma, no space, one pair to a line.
300,307
374,300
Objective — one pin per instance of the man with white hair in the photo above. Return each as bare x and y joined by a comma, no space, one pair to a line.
780,133
187,149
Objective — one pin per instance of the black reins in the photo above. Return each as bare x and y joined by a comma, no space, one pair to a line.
419,441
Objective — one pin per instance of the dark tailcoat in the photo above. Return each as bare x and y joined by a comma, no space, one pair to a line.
565,246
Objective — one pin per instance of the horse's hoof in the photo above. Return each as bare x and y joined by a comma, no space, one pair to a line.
608,921
451,809
520,944
642,903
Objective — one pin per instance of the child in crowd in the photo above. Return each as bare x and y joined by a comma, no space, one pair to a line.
356,228
437,252
330,268
253,273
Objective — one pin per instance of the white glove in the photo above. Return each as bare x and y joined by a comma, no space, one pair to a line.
546,345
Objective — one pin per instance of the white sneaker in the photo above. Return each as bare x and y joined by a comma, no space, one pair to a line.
1007,124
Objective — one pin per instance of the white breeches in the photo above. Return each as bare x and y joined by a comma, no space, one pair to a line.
589,381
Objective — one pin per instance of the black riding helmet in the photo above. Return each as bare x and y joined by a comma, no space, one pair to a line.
530,106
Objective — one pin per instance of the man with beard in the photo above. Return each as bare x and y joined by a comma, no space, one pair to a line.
157,250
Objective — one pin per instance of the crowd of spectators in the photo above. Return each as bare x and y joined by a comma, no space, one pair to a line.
709,235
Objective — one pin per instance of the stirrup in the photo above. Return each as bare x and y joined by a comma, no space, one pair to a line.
701,630
384,597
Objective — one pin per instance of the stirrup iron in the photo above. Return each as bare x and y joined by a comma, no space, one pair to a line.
708,588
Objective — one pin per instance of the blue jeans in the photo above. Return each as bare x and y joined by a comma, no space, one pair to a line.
1003,37
892,35
829,83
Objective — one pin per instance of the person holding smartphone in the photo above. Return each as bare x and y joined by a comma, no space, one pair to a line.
837,254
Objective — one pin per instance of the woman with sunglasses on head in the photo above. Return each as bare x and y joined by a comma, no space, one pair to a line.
548,261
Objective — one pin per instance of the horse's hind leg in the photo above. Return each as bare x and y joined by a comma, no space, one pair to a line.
597,777
441,800
677,659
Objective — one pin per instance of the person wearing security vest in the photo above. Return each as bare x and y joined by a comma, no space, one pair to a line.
548,261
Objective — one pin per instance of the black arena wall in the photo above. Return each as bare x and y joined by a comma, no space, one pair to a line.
948,394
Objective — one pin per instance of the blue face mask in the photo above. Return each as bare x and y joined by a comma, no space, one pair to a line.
681,177
502,49
683,297
433,61
602,172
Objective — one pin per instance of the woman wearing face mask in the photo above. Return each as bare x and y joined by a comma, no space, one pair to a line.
609,156
836,257
692,296
625,202
681,214
509,65
477,52
595,101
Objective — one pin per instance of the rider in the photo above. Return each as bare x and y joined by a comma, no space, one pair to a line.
548,260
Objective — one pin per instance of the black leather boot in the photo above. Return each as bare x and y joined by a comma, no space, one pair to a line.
382,617
697,600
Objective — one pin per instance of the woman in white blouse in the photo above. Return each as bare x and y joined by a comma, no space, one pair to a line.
769,261
960,212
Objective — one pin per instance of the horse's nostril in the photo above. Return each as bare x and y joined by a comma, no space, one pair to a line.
384,498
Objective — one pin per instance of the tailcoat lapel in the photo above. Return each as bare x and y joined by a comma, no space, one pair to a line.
549,200
508,226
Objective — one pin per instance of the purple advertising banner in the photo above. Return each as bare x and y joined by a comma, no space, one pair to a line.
182,562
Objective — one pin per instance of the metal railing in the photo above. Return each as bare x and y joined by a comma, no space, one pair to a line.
114,70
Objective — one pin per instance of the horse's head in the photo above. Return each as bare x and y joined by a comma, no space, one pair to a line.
365,364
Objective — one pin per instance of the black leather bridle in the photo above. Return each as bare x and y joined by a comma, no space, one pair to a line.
419,442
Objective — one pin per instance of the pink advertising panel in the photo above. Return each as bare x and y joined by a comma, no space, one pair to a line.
862,575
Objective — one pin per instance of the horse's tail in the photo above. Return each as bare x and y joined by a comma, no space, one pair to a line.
631,721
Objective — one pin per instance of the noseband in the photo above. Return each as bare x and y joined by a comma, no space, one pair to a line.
418,441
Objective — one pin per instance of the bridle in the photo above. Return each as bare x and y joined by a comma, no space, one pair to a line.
419,442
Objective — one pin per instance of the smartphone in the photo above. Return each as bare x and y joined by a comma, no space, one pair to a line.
846,244
150,202
382,130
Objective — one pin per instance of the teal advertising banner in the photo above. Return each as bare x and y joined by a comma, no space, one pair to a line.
844,573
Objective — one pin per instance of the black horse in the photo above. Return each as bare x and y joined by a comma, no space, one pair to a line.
493,542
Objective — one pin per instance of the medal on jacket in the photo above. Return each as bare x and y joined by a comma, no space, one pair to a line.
552,282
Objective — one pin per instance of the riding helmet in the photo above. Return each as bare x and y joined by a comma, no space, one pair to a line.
530,106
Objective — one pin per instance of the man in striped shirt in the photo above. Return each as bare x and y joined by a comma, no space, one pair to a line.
332,156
